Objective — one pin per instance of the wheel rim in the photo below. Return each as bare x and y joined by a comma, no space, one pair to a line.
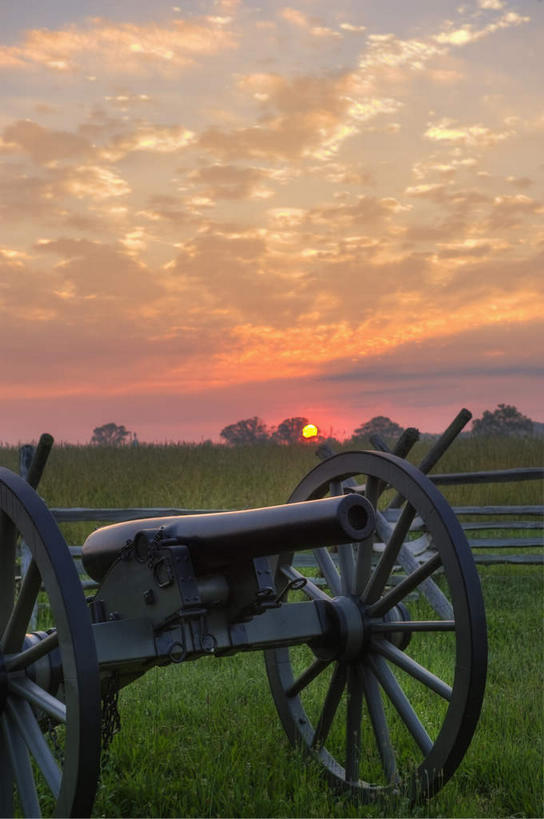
50,737
382,711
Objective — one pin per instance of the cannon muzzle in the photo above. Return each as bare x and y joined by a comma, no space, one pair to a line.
219,539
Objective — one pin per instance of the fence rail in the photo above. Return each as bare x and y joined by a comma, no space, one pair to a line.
522,534
503,519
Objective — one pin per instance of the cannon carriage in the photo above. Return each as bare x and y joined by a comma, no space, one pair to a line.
381,686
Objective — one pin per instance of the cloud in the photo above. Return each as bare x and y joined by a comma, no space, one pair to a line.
351,27
485,352
128,47
386,51
149,138
44,145
94,182
231,181
477,135
520,181
510,211
235,273
163,207
496,5
311,26
302,116
101,273
24,196
298,18
363,210
468,34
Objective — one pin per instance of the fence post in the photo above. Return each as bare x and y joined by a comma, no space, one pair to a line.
32,462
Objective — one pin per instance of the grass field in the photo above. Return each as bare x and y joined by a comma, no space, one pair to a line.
204,739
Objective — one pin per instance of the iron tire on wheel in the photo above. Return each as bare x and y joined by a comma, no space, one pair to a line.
353,702
70,699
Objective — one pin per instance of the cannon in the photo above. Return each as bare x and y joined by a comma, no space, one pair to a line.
379,686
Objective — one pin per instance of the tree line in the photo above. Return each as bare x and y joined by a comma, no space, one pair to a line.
505,419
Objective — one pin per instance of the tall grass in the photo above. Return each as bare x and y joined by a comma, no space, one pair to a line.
203,739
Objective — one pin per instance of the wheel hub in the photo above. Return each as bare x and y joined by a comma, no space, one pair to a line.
353,632
47,671
350,630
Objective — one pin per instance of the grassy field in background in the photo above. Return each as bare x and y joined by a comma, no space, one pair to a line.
204,739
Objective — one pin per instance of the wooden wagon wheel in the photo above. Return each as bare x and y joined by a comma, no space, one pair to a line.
49,681
388,702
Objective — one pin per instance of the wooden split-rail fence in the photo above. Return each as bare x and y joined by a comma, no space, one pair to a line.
504,528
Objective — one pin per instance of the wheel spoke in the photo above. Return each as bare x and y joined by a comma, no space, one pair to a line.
330,706
35,695
36,743
329,570
402,660
8,548
363,564
6,779
16,628
379,725
380,626
363,560
313,671
404,588
431,590
377,582
309,589
345,550
35,652
390,685
353,723
22,769
347,567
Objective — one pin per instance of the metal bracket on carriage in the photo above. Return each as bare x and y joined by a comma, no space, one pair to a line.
193,614
266,596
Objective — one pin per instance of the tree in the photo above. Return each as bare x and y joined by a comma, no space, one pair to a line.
380,424
290,430
110,435
504,420
247,431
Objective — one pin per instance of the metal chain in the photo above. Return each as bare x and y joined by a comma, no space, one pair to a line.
110,717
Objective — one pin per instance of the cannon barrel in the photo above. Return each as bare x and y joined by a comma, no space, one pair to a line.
219,539
223,538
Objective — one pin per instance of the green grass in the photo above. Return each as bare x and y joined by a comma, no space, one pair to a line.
203,738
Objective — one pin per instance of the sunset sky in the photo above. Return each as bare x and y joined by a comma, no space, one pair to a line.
215,210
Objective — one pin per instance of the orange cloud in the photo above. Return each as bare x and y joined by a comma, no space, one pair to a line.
94,182
232,182
128,47
468,34
478,135
44,145
149,138
303,116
